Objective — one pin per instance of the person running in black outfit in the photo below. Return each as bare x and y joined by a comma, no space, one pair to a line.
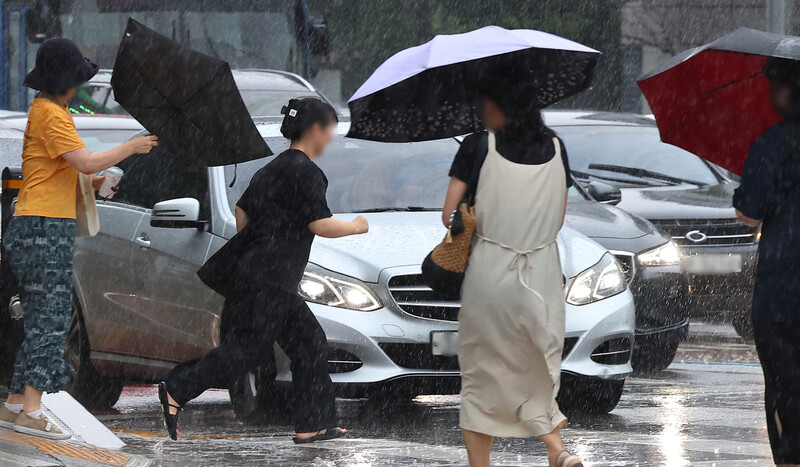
258,272
769,196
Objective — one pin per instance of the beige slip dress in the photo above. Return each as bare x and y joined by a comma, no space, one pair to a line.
511,323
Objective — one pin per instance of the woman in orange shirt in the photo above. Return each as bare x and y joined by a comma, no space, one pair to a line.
41,236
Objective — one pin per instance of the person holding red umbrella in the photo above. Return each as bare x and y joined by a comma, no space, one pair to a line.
769,197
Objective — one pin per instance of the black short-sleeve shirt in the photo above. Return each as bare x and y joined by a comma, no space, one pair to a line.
769,191
283,197
510,149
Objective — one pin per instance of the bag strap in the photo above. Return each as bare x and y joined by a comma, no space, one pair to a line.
477,165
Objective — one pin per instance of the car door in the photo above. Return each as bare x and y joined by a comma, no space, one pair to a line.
107,278
180,314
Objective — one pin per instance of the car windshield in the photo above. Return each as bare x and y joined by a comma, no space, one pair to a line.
368,176
631,156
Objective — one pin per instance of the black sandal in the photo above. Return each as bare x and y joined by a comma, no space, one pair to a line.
330,433
170,421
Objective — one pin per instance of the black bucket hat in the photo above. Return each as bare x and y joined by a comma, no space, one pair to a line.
60,66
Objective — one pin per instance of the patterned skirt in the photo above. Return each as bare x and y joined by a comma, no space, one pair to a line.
40,250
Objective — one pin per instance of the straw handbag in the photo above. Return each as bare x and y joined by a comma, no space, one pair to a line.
87,222
443,269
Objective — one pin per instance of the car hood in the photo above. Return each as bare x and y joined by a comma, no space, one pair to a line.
612,227
397,239
680,202
598,220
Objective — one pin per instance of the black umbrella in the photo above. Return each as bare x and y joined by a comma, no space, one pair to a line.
188,99
431,91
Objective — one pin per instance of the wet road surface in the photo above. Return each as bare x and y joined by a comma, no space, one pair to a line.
706,409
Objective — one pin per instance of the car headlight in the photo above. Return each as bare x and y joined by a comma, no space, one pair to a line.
600,281
329,288
667,254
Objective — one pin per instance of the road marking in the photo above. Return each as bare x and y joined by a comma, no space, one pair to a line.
66,449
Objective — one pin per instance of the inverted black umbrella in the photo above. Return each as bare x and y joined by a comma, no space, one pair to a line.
432,91
187,98
714,100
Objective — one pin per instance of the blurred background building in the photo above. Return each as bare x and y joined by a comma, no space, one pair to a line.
337,43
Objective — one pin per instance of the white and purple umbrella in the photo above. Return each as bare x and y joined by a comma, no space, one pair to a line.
431,91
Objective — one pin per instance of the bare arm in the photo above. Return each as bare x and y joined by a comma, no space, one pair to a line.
241,218
564,214
92,162
335,228
455,193
748,220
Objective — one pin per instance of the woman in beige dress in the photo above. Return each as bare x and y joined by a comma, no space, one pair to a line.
511,324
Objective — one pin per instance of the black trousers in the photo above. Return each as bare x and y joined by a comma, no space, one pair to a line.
252,321
778,345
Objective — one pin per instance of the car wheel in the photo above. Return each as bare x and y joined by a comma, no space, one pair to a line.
93,390
257,399
743,323
654,353
589,396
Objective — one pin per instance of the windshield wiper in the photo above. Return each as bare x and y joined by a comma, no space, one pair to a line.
396,209
586,177
644,173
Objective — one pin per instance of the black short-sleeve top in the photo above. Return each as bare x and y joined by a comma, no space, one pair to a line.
769,191
508,147
283,197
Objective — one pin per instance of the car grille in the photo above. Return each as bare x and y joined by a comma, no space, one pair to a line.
415,298
342,361
703,232
613,352
419,356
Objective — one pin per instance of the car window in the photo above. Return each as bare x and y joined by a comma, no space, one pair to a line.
365,175
263,103
91,99
150,178
631,156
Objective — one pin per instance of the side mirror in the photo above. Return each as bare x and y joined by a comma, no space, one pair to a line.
604,193
181,213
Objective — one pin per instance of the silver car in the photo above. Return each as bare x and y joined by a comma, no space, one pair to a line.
140,308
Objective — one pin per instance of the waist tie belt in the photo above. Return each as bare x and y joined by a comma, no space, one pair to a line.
521,262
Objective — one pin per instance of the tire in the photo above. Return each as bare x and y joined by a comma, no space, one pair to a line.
93,390
743,324
258,399
654,353
580,395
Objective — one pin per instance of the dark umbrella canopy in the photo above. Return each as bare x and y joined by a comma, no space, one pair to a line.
188,99
432,91
714,100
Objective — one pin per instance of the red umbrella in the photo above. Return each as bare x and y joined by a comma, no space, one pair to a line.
714,101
